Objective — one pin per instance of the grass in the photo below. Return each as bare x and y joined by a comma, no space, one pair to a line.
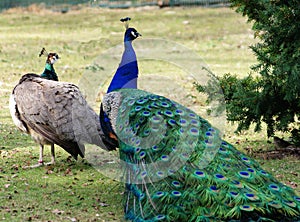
75,191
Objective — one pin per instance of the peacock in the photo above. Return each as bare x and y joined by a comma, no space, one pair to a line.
176,165
55,112
125,76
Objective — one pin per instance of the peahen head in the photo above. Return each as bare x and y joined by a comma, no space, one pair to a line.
52,57
49,72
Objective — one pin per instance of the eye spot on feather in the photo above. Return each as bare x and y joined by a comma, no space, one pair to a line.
251,196
199,173
264,173
250,170
171,171
159,217
176,184
142,154
146,113
131,102
195,122
141,196
274,187
156,119
194,132
275,204
183,122
220,177
246,208
208,134
138,108
164,104
137,150
214,189
141,101
192,115
159,194
290,203
160,174
144,174
237,184
168,113
234,194
179,112
165,158
172,122
176,193
244,174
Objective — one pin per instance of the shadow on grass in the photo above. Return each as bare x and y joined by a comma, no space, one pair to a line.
11,138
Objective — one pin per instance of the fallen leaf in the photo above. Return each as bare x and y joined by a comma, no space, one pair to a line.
49,171
103,204
68,172
57,211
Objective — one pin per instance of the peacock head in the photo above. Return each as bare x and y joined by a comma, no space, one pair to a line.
52,57
131,34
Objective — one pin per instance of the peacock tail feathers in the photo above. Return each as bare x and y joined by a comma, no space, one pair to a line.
177,167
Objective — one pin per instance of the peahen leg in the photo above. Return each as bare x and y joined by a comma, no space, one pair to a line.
52,155
40,162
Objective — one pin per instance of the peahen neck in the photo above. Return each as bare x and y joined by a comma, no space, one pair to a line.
49,72
127,72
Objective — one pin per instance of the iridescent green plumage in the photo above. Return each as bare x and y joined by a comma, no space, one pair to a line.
177,168
49,72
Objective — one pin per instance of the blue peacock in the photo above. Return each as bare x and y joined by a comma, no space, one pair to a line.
177,167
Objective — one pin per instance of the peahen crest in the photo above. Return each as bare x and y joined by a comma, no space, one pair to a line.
177,168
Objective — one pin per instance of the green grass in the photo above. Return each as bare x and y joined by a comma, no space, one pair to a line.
70,190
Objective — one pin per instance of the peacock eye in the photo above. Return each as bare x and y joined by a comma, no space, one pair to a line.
133,34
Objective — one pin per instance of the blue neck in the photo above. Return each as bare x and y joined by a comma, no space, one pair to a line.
127,72
49,72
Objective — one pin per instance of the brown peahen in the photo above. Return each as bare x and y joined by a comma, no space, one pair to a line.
55,112
178,168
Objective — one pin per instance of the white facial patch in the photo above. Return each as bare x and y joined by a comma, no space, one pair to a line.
133,34
53,60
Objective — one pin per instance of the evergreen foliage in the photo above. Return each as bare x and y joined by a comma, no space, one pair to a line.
272,97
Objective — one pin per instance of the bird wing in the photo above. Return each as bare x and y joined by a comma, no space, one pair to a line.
177,168
58,112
